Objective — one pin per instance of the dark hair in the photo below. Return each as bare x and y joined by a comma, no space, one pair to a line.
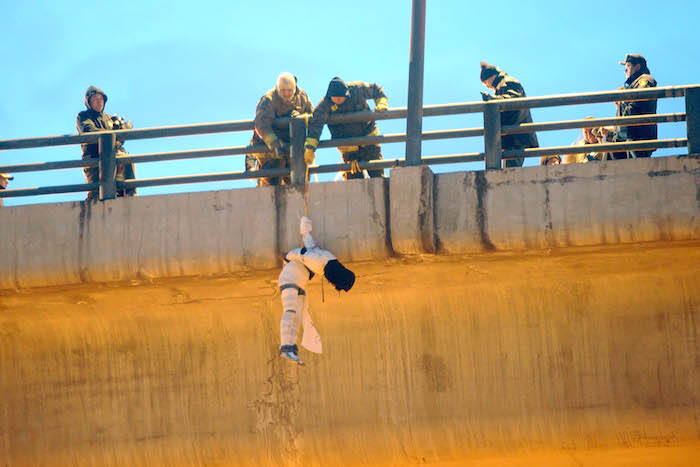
487,71
338,275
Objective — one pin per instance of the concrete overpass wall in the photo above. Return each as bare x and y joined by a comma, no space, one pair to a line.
413,212
499,349
581,356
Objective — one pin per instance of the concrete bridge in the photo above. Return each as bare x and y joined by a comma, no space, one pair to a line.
520,316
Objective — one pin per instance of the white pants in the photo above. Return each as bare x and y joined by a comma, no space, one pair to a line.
292,311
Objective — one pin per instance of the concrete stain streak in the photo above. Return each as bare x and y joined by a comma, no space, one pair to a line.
663,173
548,229
387,222
280,216
426,213
481,186
436,237
376,218
83,237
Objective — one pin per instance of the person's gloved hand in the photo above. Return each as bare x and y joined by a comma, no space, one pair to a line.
305,226
381,105
277,147
485,96
355,168
309,156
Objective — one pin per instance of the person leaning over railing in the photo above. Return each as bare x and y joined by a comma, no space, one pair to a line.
345,98
4,180
95,119
507,87
638,77
286,99
589,137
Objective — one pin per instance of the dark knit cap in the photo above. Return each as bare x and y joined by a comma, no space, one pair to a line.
338,275
337,88
488,71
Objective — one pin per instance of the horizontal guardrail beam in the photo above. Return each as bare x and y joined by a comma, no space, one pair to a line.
49,190
592,123
605,147
396,113
45,166
391,163
203,178
125,135
593,97
193,154
48,141
185,130
428,111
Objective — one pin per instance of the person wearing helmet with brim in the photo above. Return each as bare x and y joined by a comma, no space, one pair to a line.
95,119
638,77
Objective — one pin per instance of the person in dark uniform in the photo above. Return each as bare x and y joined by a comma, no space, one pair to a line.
638,77
507,87
345,98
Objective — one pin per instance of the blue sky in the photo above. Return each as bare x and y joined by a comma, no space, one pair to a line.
173,63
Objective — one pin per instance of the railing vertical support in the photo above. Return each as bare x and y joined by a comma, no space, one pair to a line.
692,116
297,130
108,166
414,120
492,135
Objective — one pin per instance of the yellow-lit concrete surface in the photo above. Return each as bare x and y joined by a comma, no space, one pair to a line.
581,356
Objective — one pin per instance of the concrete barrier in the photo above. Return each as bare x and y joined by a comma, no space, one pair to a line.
414,212
577,204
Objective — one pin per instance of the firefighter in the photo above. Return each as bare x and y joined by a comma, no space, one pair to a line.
343,98
286,99
507,87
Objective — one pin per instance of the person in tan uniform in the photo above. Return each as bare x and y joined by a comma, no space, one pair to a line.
286,99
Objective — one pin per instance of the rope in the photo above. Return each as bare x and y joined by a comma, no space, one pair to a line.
306,197
306,191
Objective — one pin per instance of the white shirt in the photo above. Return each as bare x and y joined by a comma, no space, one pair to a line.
314,259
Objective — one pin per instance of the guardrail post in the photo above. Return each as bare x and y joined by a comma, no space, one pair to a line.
108,166
492,135
414,120
297,130
692,119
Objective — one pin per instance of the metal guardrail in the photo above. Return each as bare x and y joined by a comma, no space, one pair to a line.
492,133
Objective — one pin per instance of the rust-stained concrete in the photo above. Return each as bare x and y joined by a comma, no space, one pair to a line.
413,212
576,356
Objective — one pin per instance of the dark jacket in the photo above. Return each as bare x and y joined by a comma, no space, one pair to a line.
640,80
90,120
359,93
508,87
272,106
